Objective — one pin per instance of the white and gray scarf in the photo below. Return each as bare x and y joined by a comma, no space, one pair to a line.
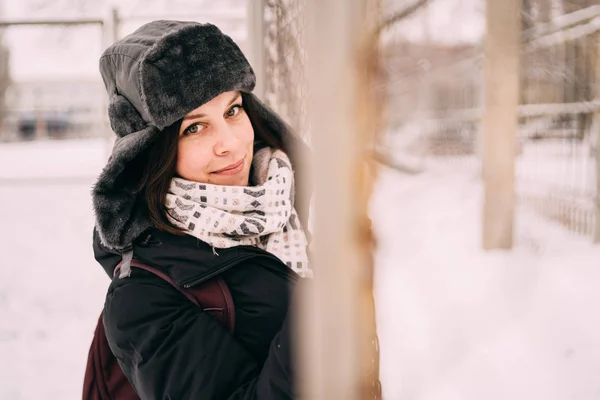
261,215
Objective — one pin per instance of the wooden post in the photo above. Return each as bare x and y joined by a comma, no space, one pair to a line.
500,123
597,124
332,324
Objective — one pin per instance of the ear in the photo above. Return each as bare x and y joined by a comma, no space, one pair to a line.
120,214
124,118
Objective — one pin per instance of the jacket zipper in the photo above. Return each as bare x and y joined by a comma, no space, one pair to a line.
199,280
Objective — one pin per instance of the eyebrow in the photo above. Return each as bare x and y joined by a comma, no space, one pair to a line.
196,116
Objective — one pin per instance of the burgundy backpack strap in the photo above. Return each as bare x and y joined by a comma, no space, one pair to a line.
213,296
104,379
223,308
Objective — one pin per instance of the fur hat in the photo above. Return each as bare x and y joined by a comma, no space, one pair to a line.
154,77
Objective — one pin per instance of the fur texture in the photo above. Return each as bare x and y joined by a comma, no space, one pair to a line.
120,218
124,118
187,68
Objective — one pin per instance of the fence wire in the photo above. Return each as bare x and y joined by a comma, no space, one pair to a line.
285,42
557,163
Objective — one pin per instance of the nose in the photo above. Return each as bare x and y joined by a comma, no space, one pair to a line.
226,139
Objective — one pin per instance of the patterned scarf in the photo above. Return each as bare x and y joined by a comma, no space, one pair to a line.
261,215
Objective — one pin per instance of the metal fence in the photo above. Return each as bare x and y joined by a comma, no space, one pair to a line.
557,167
285,87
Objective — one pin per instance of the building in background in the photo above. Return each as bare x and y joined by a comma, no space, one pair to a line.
53,109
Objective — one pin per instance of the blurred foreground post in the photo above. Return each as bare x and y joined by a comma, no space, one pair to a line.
500,123
337,318
597,124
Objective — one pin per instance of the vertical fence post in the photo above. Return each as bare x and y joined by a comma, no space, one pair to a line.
597,219
597,124
331,323
500,122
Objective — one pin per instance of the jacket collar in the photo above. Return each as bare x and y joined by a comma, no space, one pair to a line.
187,260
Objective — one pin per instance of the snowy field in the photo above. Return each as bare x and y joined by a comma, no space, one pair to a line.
458,323
51,288
454,322
558,165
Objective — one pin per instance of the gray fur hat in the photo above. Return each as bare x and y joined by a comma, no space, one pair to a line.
154,77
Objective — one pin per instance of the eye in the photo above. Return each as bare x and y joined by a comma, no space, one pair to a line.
235,110
192,129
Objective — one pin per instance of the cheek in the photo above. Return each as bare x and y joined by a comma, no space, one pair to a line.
192,161
247,132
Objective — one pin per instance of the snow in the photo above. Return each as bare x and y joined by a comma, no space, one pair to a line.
47,159
458,323
454,322
51,288
558,165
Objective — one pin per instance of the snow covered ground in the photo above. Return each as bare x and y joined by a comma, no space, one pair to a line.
454,322
558,165
51,288
458,323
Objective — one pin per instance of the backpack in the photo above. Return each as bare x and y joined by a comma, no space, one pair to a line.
104,379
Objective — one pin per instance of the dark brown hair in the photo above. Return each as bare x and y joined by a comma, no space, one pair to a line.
158,164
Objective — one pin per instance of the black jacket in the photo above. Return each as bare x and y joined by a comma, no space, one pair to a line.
169,349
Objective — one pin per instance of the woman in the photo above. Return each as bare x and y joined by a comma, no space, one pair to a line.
199,184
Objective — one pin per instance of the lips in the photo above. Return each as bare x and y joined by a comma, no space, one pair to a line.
231,167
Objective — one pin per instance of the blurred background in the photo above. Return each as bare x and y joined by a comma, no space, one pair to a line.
456,318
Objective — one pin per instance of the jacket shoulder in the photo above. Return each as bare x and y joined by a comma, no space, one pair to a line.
157,335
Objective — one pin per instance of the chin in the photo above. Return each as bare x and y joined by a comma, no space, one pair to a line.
232,181
241,182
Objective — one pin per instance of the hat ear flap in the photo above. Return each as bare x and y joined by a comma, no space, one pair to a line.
124,118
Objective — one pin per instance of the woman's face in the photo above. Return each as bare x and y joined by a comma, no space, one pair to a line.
216,142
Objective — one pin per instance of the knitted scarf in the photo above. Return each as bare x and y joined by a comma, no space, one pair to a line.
260,215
